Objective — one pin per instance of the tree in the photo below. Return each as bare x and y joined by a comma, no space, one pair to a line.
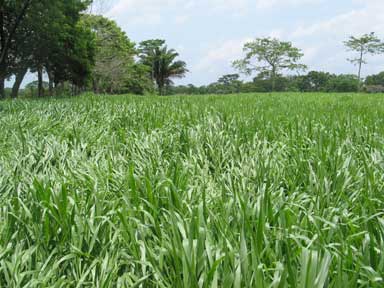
343,83
137,80
264,83
12,14
367,44
162,63
114,59
52,45
99,7
314,81
270,57
147,54
377,79
229,83
375,83
63,45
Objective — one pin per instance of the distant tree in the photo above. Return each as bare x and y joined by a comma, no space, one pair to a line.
137,80
374,83
162,63
264,83
343,83
367,44
147,53
230,83
228,79
115,68
377,79
315,81
270,57
189,89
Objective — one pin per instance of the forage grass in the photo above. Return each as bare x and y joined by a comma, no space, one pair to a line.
277,190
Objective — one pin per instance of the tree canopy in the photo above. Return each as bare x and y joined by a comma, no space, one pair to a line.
270,57
114,54
161,63
45,36
367,44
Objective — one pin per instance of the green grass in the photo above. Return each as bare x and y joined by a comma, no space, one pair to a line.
282,190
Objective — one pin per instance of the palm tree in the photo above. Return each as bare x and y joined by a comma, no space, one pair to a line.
163,64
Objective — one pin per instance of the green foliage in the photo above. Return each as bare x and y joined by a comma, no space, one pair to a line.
161,63
314,81
367,44
343,83
375,83
137,81
12,15
50,38
273,190
270,57
114,55
377,79
230,83
264,83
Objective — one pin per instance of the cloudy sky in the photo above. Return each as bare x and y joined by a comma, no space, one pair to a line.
209,34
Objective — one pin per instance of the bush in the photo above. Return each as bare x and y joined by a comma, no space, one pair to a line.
343,83
374,89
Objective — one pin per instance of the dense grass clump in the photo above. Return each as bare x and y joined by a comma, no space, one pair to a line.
281,190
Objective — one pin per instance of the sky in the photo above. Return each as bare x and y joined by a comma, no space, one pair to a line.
210,34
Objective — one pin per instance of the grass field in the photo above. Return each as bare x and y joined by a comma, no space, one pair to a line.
281,190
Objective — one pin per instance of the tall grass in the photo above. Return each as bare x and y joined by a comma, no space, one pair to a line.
281,190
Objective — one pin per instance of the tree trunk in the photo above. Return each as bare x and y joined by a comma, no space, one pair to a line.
51,87
51,80
2,88
40,87
360,65
95,89
19,79
273,78
160,86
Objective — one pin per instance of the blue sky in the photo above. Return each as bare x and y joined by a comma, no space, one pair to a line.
209,34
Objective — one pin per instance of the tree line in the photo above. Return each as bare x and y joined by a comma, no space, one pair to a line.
72,51
269,58
313,81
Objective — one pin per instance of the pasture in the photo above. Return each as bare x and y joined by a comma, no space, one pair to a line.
250,190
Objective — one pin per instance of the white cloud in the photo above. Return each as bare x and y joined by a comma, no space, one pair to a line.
324,39
223,53
140,11
267,4
145,9
365,20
